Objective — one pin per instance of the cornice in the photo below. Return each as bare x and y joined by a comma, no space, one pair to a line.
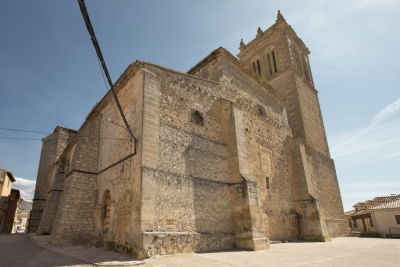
226,54
179,72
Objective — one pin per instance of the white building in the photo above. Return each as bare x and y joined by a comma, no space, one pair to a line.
380,216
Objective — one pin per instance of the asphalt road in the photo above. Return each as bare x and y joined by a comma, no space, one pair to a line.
17,250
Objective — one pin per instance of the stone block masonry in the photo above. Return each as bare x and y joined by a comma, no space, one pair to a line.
231,154
52,147
74,222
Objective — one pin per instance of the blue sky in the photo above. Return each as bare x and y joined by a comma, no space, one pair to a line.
50,75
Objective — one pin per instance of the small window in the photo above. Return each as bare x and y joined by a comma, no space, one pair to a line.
267,182
259,68
197,117
254,67
269,64
261,111
274,60
397,218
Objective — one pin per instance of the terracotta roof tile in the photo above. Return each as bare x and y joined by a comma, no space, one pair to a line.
394,204
385,198
350,212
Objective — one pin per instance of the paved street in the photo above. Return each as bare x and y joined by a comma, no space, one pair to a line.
32,250
20,251
343,251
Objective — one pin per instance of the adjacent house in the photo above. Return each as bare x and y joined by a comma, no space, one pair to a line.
21,218
12,205
6,180
379,216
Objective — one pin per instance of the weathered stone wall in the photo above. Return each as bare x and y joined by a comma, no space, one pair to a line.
262,46
43,180
60,169
197,160
314,175
52,146
53,200
311,116
268,159
185,158
74,222
308,207
293,80
220,160
119,169
328,192
285,83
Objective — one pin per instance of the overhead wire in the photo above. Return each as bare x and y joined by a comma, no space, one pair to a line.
96,45
102,74
26,131
20,138
16,138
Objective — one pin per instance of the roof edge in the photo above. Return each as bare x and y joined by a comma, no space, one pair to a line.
223,52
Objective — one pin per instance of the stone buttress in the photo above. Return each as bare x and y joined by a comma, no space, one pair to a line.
74,222
52,147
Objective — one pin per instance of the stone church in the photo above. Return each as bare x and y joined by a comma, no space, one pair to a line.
232,153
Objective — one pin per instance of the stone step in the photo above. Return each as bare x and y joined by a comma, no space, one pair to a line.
363,234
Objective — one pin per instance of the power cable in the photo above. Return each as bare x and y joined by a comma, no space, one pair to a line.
26,131
102,74
15,138
96,45
19,138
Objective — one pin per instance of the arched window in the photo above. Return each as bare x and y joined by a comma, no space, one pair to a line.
106,211
258,68
274,60
269,64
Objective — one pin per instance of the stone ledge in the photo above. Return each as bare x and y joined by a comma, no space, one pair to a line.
252,243
163,243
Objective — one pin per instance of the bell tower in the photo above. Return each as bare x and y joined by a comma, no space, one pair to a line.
280,57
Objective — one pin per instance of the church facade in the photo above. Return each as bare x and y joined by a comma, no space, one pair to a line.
232,153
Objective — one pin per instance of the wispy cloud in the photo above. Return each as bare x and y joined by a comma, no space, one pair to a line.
26,188
371,186
366,147
386,112
388,157
382,115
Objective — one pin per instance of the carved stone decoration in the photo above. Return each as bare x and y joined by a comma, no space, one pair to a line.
259,32
242,46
